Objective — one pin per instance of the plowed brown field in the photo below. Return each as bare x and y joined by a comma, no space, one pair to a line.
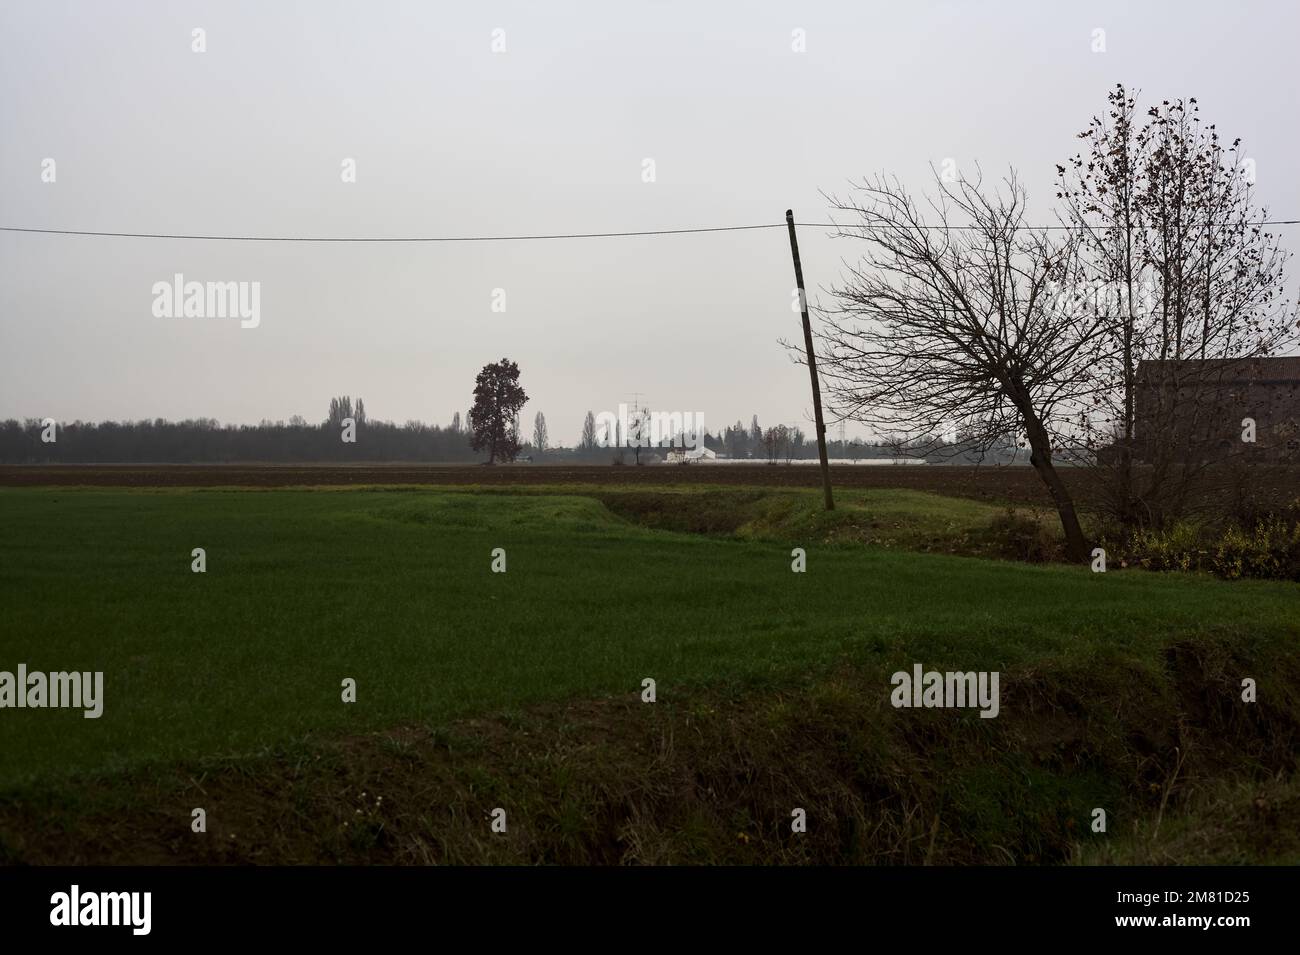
1018,484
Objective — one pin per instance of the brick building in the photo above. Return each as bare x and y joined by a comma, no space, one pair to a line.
1203,407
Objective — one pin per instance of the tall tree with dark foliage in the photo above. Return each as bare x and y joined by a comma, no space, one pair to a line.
498,397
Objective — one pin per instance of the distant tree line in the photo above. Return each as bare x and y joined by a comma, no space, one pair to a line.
786,443
205,440
491,429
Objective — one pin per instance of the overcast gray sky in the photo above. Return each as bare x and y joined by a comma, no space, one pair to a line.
451,138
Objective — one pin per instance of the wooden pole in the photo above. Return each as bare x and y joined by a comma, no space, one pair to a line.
812,362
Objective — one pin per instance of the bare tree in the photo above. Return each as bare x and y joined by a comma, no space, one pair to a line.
588,440
951,322
1188,287
772,445
781,444
899,448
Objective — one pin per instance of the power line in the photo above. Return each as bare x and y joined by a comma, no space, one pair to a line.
846,230
449,238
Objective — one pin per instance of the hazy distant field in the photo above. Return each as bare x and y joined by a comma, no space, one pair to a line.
393,588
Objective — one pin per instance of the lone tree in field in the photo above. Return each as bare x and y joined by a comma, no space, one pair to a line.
588,440
951,322
1177,268
497,400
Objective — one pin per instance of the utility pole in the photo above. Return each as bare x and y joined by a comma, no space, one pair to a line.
812,362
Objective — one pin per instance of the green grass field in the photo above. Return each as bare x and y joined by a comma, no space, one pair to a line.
394,589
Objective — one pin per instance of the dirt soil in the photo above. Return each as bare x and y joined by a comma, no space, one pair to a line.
1012,484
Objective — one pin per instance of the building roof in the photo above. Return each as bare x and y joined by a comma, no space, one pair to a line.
1226,371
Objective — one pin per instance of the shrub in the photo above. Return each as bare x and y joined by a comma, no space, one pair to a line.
1180,546
1018,537
1270,550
